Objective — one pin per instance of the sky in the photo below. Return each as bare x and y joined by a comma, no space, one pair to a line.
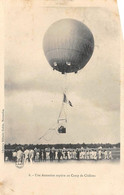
34,92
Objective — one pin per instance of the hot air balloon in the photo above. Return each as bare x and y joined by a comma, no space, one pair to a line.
68,45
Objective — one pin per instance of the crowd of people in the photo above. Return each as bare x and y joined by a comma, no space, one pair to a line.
39,155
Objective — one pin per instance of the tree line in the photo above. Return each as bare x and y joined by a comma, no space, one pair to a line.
60,146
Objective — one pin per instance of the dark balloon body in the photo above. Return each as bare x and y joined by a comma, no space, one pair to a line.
68,45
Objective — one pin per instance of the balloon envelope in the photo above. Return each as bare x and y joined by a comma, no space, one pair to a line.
68,45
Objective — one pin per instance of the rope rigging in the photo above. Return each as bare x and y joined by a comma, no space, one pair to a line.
60,126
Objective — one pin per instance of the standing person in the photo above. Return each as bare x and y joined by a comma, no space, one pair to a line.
31,155
44,155
26,155
66,155
63,154
85,154
99,154
35,151
51,155
81,154
54,154
9,155
19,156
40,157
110,154
105,154
59,155
69,154
78,154
47,154
74,154
88,154
72,157
37,157
91,154
14,155
95,155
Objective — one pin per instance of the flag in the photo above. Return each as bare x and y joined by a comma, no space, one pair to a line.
70,103
65,100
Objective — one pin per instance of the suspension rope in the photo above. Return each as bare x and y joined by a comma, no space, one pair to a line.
62,111
52,129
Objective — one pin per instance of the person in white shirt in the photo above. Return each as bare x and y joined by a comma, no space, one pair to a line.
56,154
105,154
88,154
85,154
14,155
63,154
110,154
91,154
95,155
26,155
74,154
81,154
69,154
19,156
37,156
99,154
31,155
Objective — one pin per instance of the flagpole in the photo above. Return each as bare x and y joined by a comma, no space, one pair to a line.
63,104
